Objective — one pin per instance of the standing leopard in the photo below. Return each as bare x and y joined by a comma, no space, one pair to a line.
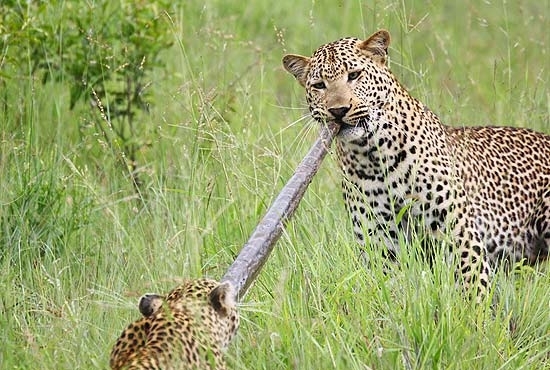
487,188
189,328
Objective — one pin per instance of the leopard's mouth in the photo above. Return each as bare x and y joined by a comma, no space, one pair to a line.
353,131
361,123
343,124
343,127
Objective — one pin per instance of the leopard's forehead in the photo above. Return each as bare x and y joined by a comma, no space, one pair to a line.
333,59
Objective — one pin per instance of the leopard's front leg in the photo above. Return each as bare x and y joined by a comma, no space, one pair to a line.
474,262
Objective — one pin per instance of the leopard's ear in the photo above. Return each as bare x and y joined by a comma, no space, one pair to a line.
149,303
298,66
223,299
376,46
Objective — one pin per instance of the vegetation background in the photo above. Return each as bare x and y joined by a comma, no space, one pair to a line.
141,142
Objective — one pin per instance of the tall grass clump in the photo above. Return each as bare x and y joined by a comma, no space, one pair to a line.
142,141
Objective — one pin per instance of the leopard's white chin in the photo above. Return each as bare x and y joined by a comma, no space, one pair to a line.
351,133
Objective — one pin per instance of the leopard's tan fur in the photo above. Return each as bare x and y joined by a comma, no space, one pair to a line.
188,329
488,188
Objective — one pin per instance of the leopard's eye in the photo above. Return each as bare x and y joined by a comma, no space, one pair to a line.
319,85
353,75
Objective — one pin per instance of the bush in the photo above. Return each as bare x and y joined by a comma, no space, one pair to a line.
104,51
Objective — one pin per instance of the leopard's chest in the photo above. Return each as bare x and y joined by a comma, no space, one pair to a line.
374,173
391,186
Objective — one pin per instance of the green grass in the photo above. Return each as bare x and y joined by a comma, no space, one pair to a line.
78,246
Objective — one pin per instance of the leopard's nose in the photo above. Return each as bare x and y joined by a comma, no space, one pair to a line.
339,112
